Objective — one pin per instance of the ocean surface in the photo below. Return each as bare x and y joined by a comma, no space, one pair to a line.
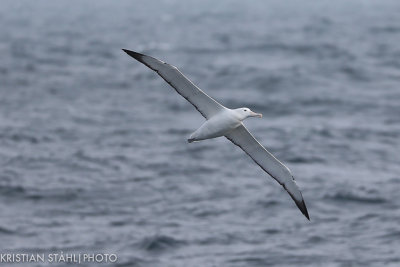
93,150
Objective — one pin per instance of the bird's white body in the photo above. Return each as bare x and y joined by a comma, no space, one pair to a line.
218,125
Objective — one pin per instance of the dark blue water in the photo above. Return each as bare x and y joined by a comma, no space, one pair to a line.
93,149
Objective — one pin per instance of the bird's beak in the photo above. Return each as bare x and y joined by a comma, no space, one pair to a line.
258,115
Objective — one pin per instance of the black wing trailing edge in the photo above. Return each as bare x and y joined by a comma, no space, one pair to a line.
242,138
205,104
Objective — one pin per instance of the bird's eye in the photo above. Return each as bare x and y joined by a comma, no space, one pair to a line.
245,110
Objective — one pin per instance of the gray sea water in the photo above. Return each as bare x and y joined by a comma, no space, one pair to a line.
93,149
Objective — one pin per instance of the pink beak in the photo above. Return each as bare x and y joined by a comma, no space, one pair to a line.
259,115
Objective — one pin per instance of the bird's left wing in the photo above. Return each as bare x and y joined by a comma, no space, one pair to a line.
245,140
205,104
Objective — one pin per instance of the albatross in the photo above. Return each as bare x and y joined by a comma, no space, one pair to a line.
222,121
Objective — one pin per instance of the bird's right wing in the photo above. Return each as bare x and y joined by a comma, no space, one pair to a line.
245,140
206,105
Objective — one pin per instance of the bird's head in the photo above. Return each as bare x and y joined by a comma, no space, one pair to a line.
244,113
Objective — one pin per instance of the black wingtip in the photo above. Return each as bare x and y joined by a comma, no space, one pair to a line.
133,54
302,207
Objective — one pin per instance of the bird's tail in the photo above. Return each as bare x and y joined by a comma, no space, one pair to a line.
190,140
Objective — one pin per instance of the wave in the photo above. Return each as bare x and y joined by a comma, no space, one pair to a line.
316,239
353,197
7,231
11,190
24,137
159,243
385,29
20,192
300,159
252,261
267,203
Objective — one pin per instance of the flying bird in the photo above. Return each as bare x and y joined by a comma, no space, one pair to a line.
222,121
